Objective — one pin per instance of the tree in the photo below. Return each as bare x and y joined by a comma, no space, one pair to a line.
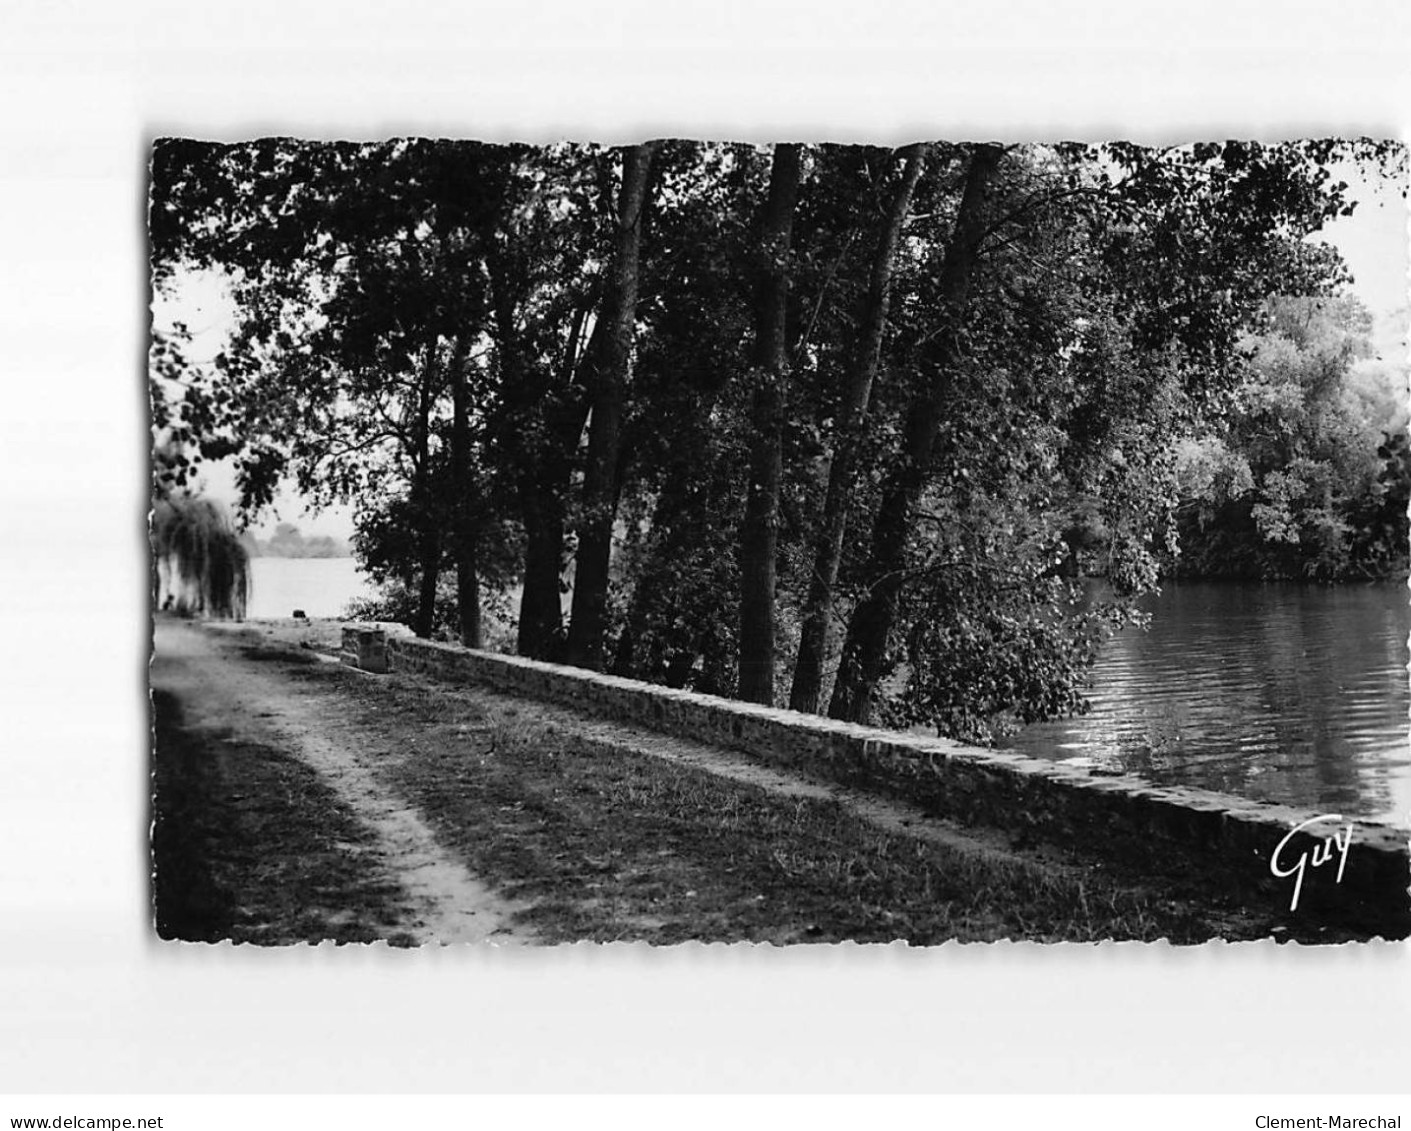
686,371
610,370
759,535
201,565
1291,482
865,649
683,467
1178,250
850,435
356,267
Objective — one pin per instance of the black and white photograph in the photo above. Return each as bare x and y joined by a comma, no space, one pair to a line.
692,565
788,543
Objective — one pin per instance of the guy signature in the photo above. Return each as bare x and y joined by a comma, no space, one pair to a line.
1321,854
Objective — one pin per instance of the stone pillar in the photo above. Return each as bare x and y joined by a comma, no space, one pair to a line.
364,648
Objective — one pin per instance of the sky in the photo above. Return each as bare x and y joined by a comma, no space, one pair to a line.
1373,242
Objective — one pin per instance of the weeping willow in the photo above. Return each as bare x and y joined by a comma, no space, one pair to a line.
201,566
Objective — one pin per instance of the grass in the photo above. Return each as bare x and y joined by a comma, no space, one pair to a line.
607,844
613,845
249,845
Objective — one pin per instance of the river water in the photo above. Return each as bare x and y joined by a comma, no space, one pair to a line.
321,587
1284,693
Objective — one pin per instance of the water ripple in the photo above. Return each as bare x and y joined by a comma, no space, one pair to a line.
1280,693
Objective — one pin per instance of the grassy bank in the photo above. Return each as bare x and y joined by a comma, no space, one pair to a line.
608,845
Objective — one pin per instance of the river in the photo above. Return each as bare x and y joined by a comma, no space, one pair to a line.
321,587
1284,693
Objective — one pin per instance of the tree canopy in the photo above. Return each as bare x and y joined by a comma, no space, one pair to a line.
843,420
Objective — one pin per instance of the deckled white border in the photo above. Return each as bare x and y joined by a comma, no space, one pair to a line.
89,1003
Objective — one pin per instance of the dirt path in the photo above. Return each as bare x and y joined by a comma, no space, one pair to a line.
221,692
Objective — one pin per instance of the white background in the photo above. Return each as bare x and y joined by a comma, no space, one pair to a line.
90,1002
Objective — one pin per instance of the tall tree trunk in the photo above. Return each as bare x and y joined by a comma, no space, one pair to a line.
468,595
540,607
544,480
429,555
759,533
427,520
865,646
828,550
540,503
585,634
464,527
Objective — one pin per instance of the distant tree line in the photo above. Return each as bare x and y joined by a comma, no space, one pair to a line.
288,542
837,427
1306,475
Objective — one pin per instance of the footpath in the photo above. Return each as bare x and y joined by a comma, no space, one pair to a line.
297,800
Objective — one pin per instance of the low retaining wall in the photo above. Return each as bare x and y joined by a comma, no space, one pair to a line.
1210,837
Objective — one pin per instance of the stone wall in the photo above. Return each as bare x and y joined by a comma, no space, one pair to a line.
1211,839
